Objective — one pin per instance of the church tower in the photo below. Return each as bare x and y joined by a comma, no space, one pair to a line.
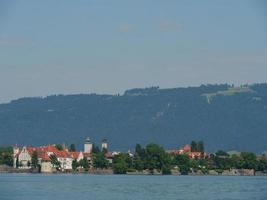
104,144
88,146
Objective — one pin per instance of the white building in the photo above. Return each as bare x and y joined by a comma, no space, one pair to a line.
88,146
104,144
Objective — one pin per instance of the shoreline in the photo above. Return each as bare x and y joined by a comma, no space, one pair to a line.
110,173
147,172
26,173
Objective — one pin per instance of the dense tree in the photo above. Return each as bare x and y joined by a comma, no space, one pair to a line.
262,165
138,162
222,153
200,147
59,147
194,146
249,160
99,160
34,160
75,164
138,149
156,158
17,162
183,162
122,163
236,161
84,164
54,161
72,148
6,156
104,151
95,149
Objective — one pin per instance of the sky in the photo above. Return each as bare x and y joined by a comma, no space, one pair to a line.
95,46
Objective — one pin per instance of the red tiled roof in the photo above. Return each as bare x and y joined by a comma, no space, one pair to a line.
43,152
187,148
74,154
109,155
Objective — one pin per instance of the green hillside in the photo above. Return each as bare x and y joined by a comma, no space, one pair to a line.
225,117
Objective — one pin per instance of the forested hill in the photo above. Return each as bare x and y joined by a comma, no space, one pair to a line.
223,116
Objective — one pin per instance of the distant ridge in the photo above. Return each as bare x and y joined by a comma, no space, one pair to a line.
223,116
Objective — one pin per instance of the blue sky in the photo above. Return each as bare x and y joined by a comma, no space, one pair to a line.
65,47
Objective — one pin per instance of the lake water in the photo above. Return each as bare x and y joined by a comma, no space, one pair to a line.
122,187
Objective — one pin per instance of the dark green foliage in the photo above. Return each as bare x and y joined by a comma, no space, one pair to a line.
75,164
122,163
249,160
194,147
84,164
17,162
170,117
183,162
72,148
104,150
139,150
59,147
152,157
200,146
222,162
262,165
55,162
95,149
6,154
138,162
99,160
156,157
197,146
221,153
34,161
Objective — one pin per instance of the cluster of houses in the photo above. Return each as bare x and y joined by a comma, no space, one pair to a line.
22,157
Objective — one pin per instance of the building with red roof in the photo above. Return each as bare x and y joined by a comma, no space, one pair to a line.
187,150
23,157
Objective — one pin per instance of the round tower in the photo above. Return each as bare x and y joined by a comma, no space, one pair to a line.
104,144
88,146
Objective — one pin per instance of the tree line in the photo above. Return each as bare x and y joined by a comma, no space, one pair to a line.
154,157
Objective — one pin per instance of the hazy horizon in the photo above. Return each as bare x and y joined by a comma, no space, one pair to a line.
104,47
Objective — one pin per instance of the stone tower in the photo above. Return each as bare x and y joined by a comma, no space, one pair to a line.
104,144
88,146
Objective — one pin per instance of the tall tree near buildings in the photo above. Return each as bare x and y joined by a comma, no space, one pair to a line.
183,162
72,148
95,149
99,160
85,164
34,160
122,163
200,146
59,147
194,146
54,161
75,164
104,151
17,162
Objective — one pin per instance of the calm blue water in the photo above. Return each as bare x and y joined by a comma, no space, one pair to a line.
69,187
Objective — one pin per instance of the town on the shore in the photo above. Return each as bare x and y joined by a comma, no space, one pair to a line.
151,159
